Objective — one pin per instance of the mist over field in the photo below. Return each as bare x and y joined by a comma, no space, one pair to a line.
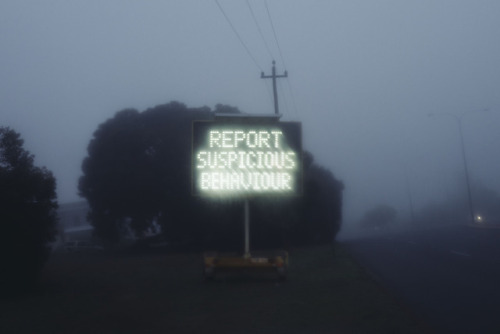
381,88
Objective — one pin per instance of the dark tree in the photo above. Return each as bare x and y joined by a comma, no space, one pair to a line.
322,212
27,213
225,109
379,217
313,218
138,170
117,183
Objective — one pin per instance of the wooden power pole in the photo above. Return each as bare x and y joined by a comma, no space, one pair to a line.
275,91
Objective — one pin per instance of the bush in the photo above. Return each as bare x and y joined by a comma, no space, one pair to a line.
27,214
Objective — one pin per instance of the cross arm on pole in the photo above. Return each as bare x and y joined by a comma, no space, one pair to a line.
274,76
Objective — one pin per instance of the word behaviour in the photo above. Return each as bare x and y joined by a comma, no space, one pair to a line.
239,159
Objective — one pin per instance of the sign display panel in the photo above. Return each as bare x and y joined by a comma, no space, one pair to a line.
243,158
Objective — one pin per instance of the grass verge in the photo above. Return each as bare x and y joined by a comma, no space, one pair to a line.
326,292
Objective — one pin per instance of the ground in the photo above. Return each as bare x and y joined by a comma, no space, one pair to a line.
164,292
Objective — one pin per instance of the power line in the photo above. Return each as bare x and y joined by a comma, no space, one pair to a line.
265,43
237,35
274,32
260,30
282,58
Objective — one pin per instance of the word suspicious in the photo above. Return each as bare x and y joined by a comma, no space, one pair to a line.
245,160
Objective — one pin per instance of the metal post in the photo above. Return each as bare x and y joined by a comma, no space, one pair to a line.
247,230
469,197
410,198
466,170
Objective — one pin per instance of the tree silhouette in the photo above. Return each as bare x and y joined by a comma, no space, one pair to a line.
313,218
379,217
27,213
138,171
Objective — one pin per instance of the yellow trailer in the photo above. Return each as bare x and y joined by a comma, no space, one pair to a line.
276,261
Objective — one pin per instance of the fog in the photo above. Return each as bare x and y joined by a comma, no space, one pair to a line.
364,77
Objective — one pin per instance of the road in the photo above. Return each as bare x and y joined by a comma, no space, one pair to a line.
449,277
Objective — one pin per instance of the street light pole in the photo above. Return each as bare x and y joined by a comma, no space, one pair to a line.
410,198
469,196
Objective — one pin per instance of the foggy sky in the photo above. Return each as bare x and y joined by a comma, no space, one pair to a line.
363,77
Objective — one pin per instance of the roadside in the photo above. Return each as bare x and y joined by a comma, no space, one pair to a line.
448,276
326,292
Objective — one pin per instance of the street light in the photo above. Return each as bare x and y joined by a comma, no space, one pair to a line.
459,121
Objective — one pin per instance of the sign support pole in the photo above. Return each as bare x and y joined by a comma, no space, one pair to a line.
247,229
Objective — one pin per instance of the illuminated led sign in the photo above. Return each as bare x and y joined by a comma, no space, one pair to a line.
241,158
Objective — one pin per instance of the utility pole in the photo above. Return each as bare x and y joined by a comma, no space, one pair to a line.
469,196
275,91
410,198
